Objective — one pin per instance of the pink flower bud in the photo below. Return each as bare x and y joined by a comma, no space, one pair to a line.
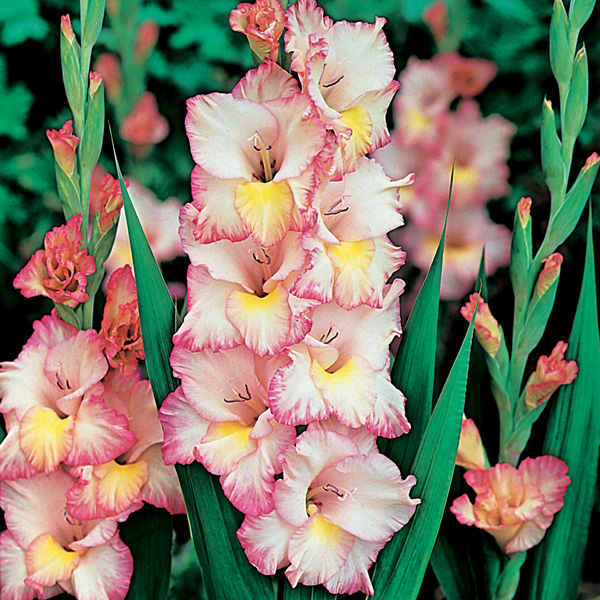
436,17
487,329
551,372
110,68
262,23
110,202
147,36
516,506
549,273
64,144
591,161
95,81
65,27
60,270
471,453
144,127
524,211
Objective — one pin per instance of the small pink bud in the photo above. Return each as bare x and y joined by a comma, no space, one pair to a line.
110,68
95,81
262,23
524,210
65,27
110,202
436,17
591,161
549,273
147,36
471,453
551,372
548,103
487,329
64,144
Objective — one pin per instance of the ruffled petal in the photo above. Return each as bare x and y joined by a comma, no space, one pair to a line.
388,417
267,82
14,570
361,436
224,445
265,541
120,485
13,464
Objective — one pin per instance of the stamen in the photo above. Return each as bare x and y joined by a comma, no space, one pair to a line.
328,85
341,493
62,385
326,339
260,146
267,258
337,207
240,397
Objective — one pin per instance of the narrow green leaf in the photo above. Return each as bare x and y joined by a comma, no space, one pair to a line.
552,162
68,193
71,72
402,563
148,533
579,12
508,581
68,315
304,592
93,132
576,105
92,22
573,435
561,59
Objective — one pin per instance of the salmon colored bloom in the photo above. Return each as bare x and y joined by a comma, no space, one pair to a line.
471,453
64,144
144,127
147,36
436,17
551,372
336,507
487,329
66,28
46,551
121,322
524,211
467,77
549,273
110,68
516,506
61,269
109,202
262,23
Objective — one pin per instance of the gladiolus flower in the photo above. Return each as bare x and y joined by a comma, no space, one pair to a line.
121,322
335,509
516,506
436,17
110,68
487,329
262,23
467,77
144,127
109,202
549,273
64,144
147,35
60,270
46,550
471,453
552,372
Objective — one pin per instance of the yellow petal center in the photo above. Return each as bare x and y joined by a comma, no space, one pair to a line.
48,562
119,484
358,119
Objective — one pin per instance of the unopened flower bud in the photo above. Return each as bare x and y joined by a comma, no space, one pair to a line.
549,273
262,23
95,81
110,68
147,36
487,329
471,453
524,211
591,161
65,26
551,372
110,202
64,144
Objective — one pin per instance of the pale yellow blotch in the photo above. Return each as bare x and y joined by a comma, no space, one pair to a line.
351,260
358,119
266,209
120,484
48,562
327,533
465,175
45,438
418,121
237,435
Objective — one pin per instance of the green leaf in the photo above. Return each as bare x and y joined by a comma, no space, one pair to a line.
304,592
67,192
68,315
93,132
573,435
402,563
508,581
579,12
561,59
552,161
92,25
148,533
576,104
74,85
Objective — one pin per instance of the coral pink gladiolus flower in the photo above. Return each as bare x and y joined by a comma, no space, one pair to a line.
471,453
516,506
121,322
61,269
110,68
486,327
549,273
144,127
336,507
552,372
262,23
64,144
110,202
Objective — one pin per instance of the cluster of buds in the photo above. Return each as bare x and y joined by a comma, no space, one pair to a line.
289,313
431,140
82,452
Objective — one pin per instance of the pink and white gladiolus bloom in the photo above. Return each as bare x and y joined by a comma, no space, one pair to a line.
516,506
336,507
62,416
46,551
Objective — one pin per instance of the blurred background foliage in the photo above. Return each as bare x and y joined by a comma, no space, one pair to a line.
196,52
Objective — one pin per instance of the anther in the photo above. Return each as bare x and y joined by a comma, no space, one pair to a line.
336,208
240,397
328,85
326,339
